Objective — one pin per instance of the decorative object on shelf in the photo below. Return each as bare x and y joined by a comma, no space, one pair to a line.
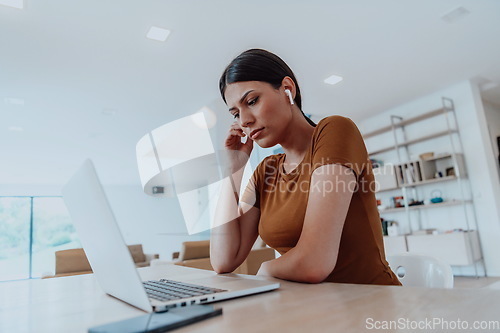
392,229
436,197
415,203
426,156
454,230
398,201
450,171
380,206
409,173
429,231
376,163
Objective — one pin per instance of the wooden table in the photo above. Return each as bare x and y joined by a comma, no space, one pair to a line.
73,304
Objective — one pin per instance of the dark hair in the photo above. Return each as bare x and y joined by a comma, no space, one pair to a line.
260,65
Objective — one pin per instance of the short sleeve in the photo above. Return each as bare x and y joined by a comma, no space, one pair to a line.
337,140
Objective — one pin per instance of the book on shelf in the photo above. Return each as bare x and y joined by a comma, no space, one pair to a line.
409,174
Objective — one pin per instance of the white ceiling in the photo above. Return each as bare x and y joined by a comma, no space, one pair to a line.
70,61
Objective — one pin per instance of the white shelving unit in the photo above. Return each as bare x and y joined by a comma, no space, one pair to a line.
405,175
442,204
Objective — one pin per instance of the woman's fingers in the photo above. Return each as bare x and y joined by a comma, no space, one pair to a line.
235,129
236,132
233,139
235,125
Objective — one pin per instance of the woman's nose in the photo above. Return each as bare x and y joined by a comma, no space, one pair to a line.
246,119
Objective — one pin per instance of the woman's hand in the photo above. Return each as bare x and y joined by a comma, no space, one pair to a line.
238,152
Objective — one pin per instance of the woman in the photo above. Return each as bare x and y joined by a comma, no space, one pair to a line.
315,203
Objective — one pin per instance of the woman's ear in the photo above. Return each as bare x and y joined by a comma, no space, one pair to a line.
287,83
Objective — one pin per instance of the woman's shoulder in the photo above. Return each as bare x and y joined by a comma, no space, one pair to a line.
335,127
335,120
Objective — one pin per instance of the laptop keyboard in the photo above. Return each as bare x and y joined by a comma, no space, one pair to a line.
168,290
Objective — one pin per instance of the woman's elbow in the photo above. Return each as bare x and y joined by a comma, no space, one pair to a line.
220,268
315,276
316,273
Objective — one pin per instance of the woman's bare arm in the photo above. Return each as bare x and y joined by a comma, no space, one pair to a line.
315,255
237,230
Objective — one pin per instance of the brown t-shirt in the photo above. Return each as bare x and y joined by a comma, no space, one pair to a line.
282,199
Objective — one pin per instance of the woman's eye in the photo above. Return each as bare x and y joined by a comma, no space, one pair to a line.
236,115
253,101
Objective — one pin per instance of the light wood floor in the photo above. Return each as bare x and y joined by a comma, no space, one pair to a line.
481,282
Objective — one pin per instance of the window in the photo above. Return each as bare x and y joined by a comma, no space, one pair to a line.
32,229
14,238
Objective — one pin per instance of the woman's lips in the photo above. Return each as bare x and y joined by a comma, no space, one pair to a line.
255,133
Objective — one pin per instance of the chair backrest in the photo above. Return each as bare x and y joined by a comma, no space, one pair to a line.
415,270
201,249
75,260
72,261
195,250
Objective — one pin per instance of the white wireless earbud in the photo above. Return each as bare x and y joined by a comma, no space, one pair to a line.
289,93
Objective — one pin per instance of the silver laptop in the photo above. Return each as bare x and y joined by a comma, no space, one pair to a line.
114,267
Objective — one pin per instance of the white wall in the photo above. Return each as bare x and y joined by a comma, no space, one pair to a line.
482,173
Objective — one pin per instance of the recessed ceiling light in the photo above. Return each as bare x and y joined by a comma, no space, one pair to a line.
108,112
334,79
16,129
158,34
455,14
14,101
13,3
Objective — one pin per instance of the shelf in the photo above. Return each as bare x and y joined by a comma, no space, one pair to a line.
389,189
438,157
443,204
430,181
424,182
427,115
427,137
411,142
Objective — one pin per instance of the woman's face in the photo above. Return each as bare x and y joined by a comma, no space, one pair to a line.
262,112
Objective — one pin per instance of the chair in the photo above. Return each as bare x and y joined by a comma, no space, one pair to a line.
196,254
75,262
415,270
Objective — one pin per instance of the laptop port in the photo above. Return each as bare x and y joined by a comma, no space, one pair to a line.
192,302
203,299
183,304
